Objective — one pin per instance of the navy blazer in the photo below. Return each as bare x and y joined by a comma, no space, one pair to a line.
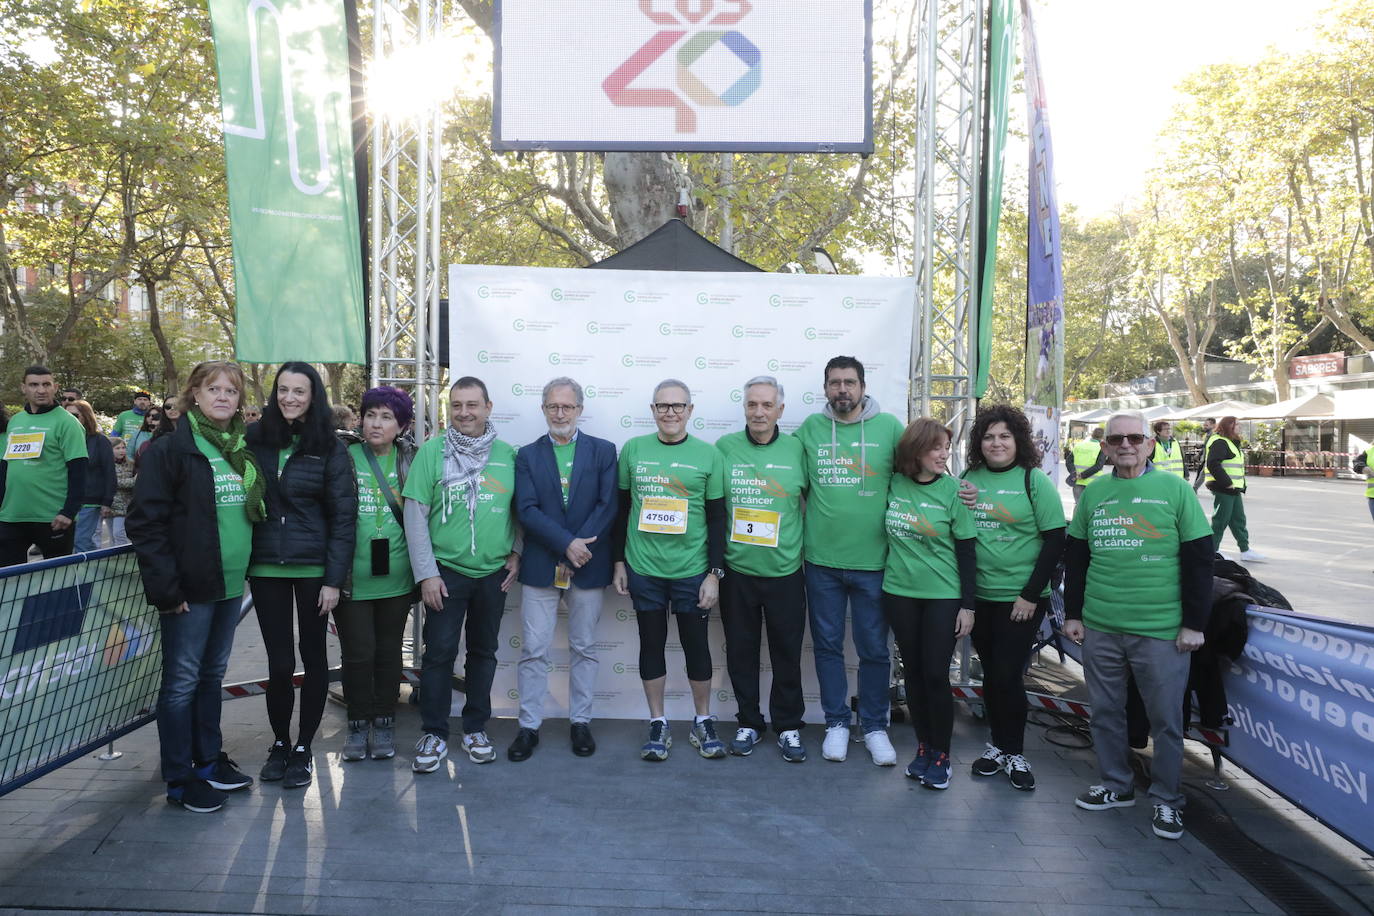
549,526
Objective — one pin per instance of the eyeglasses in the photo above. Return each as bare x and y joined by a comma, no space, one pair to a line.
1133,438
664,409
561,408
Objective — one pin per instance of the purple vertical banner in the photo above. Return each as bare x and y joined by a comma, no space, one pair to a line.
1044,274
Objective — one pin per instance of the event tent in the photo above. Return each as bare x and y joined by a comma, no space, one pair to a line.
1088,416
1316,406
1218,410
674,246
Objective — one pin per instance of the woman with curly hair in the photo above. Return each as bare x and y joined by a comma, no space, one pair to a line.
1020,523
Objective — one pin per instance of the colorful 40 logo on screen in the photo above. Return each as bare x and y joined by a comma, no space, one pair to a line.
694,27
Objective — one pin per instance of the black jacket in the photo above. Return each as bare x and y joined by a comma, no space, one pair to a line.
100,472
172,523
312,510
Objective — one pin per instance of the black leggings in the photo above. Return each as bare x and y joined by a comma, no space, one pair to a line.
1003,647
272,598
924,629
653,641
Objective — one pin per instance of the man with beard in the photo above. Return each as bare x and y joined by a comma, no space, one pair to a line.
565,485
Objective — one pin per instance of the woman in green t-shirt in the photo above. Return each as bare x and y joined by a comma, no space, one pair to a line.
372,617
1020,523
928,586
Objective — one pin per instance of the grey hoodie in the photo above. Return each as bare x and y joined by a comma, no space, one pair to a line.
868,409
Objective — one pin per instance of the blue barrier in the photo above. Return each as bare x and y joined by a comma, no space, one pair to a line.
1302,711
80,660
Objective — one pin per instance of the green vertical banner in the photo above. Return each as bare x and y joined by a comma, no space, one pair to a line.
293,201
1001,60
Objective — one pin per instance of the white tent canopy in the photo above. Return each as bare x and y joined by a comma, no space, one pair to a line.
1219,409
1088,416
1317,406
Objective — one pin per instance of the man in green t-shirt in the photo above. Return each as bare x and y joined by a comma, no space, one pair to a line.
42,474
1137,595
670,558
128,422
765,480
460,531
849,447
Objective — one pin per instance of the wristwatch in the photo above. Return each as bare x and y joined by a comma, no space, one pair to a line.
717,572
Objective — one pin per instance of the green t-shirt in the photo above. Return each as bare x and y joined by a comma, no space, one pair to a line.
376,520
478,550
847,499
231,518
1134,529
280,570
37,449
764,485
922,522
1009,522
127,423
563,455
680,479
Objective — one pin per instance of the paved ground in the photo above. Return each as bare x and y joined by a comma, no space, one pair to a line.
558,833
561,834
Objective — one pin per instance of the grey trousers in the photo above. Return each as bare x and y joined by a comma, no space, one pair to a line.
539,614
1161,674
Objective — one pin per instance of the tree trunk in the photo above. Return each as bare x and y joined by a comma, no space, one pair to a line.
13,310
643,192
170,377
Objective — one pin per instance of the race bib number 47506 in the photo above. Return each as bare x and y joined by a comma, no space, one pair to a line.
663,515
24,445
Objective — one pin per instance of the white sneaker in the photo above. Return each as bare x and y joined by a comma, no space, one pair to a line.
1252,556
880,748
430,751
836,744
479,748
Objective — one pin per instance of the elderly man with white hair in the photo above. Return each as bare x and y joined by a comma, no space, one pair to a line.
1137,595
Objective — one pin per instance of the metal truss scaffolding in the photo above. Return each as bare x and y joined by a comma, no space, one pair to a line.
406,195
949,128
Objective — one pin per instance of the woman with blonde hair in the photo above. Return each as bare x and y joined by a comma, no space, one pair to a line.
98,494
191,523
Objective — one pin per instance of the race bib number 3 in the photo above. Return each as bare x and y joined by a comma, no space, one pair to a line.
663,515
756,526
24,445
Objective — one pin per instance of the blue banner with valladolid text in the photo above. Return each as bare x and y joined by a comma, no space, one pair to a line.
1302,704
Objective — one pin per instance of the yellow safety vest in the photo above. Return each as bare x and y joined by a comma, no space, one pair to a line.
1168,457
1085,452
1234,466
1369,481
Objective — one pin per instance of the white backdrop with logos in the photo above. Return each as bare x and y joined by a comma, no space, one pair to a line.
621,332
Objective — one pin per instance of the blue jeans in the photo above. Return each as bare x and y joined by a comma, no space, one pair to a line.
828,590
482,602
195,653
87,526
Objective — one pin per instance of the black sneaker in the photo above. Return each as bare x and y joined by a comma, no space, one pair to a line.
195,795
1100,798
275,767
1167,822
299,766
224,774
1019,772
991,763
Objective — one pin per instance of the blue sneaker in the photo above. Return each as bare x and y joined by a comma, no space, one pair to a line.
791,744
937,774
195,795
223,774
704,739
660,739
919,764
743,744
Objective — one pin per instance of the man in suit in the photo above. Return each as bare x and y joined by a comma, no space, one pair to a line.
565,486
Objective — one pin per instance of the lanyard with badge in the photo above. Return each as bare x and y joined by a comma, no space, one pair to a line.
380,546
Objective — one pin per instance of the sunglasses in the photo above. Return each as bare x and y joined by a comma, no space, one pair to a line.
67,400
1133,438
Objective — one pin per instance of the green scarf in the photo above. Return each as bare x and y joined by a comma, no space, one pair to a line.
231,445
